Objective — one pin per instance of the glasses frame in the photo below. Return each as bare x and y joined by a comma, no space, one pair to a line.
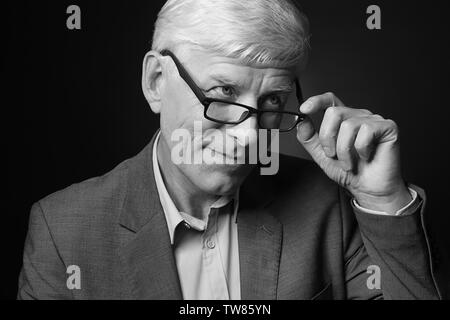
206,102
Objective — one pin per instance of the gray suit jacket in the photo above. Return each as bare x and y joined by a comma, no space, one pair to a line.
299,238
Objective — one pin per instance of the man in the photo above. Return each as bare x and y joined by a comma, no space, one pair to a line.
346,226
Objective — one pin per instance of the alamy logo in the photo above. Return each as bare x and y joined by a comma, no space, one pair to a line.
74,279
374,20
374,280
229,147
74,20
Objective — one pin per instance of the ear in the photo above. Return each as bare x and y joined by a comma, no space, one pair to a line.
152,79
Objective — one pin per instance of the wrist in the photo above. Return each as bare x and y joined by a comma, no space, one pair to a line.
390,203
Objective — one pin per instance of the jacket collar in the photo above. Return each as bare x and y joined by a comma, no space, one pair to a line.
141,202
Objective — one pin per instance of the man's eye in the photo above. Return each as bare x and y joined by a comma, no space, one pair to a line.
225,91
273,101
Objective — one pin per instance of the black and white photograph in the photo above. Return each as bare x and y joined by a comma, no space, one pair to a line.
226,150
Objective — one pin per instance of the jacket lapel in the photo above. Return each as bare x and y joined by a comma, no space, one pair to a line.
146,254
260,239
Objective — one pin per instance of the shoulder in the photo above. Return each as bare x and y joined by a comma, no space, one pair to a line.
90,202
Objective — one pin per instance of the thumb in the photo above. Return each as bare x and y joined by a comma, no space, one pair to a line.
309,138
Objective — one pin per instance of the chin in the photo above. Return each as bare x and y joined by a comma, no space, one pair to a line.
222,180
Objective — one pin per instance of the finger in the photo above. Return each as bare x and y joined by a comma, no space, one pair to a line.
373,132
365,142
331,123
308,137
346,140
320,102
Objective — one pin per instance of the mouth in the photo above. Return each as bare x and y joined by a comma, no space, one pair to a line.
228,150
234,156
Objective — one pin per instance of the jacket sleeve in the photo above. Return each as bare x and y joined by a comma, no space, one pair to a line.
389,257
43,274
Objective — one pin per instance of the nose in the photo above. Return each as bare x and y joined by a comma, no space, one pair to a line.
251,101
246,133
251,123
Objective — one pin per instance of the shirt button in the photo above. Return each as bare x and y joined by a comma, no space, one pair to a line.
211,244
187,225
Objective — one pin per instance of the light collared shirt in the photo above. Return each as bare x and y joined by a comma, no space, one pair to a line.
206,252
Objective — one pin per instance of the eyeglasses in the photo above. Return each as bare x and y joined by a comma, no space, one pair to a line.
227,112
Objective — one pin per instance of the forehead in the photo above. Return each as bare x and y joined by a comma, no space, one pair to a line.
201,64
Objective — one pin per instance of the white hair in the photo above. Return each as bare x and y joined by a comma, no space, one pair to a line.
257,32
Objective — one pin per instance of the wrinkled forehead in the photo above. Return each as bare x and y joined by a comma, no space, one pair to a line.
202,62
185,51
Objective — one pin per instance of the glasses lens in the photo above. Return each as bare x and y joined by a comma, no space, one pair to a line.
275,120
226,112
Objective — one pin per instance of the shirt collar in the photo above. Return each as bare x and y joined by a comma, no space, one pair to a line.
173,216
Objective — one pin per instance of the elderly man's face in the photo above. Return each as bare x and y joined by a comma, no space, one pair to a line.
222,78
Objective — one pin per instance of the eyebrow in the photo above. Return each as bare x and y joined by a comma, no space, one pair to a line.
226,81
282,88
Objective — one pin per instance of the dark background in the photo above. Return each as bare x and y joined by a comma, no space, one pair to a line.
72,107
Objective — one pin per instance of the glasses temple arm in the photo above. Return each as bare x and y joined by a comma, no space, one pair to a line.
185,76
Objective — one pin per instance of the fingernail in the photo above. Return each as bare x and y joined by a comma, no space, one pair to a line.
299,129
305,131
301,126
306,107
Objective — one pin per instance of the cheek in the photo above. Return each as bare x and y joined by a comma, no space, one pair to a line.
179,113
177,106
185,126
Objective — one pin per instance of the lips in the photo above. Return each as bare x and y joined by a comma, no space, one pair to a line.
229,155
228,147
